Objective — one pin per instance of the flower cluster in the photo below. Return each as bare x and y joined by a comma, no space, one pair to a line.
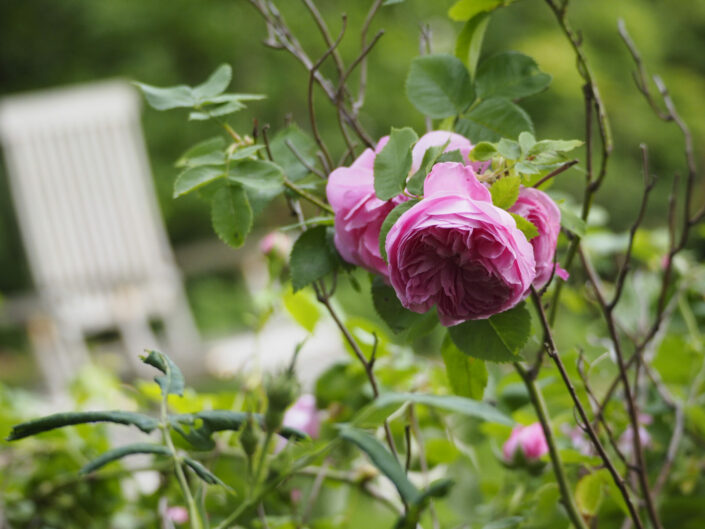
454,248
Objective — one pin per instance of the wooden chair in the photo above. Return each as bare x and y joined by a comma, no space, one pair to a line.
91,227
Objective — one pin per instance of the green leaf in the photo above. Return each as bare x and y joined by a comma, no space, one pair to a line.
510,74
526,142
215,84
390,308
525,226
494,119
172,381
496,339
544,146
222,105
383,460
196,177
260,175
59,420
510,149
311,258
391,2
430,157
451,156
468,376
469,42
203,152
231,215
463,10
203,473
505,191
588,494
245,152
389,221
120,452
483,151
282,153
392,164
180,96
437,489
512,522
439,85
302,308
452,403
613,490
570,221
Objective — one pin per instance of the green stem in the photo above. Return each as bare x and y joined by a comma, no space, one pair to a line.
262,458
194,515
308,196
542,413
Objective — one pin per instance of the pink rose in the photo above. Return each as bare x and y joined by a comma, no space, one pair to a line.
456,250
359,214
538,208
277,242
530,440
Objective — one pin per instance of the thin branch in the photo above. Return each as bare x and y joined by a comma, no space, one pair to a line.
303,161
555,172
357,105
323,27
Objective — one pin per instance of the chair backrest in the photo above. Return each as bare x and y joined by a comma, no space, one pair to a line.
83,190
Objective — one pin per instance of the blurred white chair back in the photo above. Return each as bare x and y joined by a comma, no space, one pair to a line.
91,226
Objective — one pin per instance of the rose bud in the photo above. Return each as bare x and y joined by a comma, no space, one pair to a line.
456,250
177,514
539,209
304,416
528,442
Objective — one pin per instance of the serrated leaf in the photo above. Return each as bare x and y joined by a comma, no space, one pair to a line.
231,215
311,258
526,142
588,494
451,156
260,175
245,152
389,221
463,10
60,420
122,451
180,96
430,157
194,178
509,149
483,151
494,119
452,403
172,381
216,83
390,308
510,74
525,226
439,85
505,191
305,146
467,376
383,460
469,42
544,146
202,151
572,222
392,164
496,339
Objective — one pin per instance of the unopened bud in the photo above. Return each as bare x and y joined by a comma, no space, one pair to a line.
249,438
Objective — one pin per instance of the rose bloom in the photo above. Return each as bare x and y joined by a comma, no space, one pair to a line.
538,208
359,214
530,440
456,250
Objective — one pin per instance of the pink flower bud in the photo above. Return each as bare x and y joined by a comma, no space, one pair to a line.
275,242
530,440
302,415
177,514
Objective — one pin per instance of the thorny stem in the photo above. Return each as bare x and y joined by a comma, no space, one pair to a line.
552,351
542,413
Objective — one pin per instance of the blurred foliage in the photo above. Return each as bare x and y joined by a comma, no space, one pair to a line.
45,44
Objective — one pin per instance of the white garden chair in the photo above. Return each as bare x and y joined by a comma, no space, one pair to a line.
91,227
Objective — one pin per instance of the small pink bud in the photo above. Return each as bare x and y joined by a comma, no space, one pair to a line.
302,415
177,514
295,495
530,440
275,242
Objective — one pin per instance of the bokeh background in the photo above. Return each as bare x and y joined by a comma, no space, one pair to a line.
44,43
